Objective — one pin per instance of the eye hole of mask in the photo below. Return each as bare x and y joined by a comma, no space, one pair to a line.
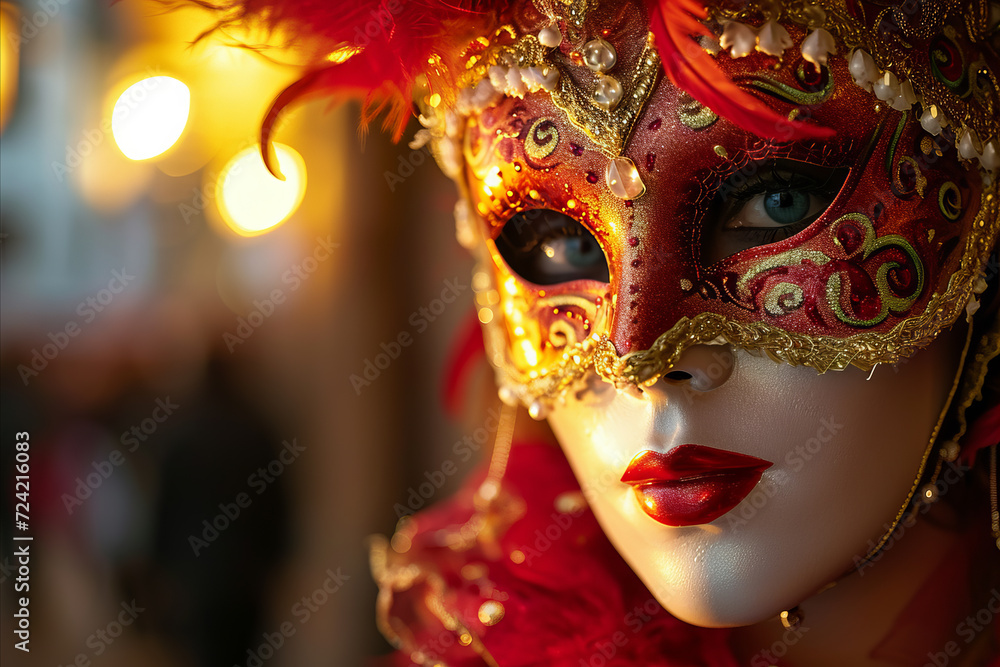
767,202
547,247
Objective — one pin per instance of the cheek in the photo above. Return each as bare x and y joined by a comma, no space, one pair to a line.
846,451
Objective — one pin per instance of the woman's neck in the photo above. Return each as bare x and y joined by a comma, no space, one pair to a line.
905,607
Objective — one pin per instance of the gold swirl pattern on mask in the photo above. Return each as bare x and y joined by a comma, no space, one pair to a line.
908,179
783,298
694,115
870,245
542,139
950,201
942,24
865,350
786,93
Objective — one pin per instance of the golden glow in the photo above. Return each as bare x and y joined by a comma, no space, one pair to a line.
9,53
530,356
149,117
510,286
343,54
250,199
434,100
485,315
493,179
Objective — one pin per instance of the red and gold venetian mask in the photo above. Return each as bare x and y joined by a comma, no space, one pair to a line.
620,220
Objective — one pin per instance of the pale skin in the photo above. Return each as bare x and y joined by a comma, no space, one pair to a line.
816,511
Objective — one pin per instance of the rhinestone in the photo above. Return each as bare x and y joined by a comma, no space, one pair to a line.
599,55
608,93
623,179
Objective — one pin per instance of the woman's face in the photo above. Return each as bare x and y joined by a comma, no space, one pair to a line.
761,482
842,452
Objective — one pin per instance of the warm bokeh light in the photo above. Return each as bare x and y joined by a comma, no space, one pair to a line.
250,199
9,54
150,116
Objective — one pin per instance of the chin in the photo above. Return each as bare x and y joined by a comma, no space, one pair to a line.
713,583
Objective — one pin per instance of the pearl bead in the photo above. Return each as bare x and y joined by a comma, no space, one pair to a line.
608,93
550,36
599,55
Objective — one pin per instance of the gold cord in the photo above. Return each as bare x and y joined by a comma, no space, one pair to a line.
907,506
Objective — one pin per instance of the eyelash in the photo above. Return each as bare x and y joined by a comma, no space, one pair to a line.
771,181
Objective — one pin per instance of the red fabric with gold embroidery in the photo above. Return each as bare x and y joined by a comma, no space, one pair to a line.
572,601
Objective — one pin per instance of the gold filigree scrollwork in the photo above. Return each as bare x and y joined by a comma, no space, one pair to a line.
823,353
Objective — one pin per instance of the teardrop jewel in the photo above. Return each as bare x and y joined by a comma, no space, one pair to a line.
623,179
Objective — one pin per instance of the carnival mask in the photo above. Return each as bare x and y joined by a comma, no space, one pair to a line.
623,220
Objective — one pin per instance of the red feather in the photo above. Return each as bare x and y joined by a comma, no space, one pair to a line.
690,68
398,37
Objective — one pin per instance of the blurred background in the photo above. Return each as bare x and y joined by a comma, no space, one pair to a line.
208,361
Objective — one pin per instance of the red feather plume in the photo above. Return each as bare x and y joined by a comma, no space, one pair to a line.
690,68
397,38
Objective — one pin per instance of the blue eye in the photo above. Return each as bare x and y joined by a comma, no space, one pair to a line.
786,207
766,202
548,247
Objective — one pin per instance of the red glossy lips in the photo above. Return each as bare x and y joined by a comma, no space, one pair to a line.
691,484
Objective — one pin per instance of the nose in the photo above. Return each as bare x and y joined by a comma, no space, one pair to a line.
702,368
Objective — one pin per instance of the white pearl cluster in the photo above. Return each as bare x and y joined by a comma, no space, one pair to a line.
446,127
772,39
901,96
